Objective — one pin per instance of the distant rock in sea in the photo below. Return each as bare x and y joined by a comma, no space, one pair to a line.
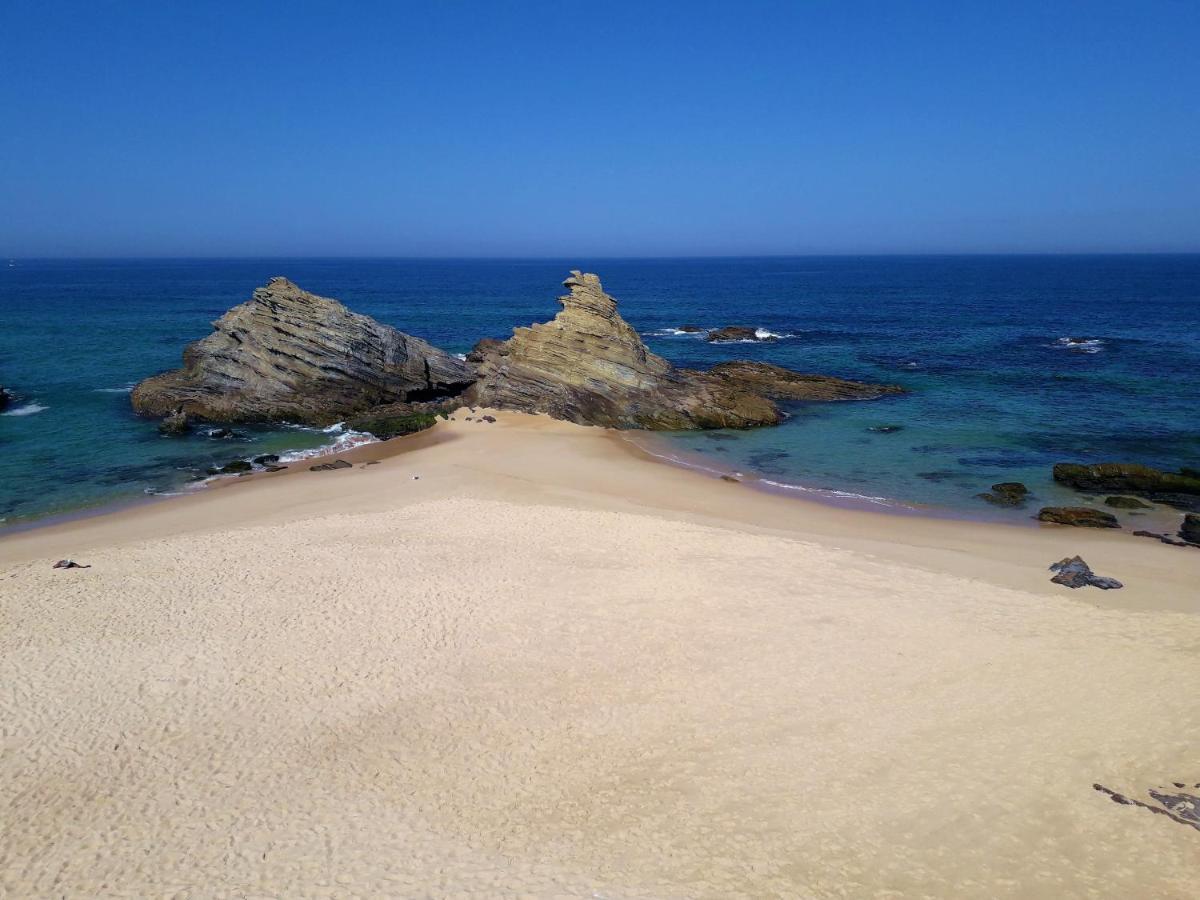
737,333
288,355
588,365
5,398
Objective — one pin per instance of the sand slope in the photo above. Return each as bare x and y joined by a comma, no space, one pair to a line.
487,683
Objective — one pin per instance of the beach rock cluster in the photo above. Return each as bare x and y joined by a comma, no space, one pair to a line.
1073,572
288,355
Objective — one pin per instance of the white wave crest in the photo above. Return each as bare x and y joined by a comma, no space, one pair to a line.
346,440
27,410
829,492
1080,345
675,332
117,390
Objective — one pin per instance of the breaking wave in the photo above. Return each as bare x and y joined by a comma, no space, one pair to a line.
27,410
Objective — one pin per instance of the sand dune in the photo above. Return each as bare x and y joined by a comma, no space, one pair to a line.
548,668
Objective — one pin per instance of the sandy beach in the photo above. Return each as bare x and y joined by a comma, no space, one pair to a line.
517,659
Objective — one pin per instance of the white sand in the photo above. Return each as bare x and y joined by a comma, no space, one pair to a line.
548,668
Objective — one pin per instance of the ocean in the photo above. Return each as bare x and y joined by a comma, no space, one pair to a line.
1013,363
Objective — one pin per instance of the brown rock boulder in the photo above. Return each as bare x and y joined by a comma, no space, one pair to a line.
288,355
1079,516
778,383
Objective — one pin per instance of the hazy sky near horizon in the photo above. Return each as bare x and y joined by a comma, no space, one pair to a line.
563,128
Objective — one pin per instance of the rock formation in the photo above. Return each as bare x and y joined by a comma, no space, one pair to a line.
736,334
588,365
1190,529
1075,573
1130,478
288,355
1126,503
1079,516
5,398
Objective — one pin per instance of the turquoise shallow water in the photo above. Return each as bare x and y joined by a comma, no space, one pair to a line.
996,391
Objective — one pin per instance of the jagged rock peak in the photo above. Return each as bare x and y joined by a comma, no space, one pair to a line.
289,355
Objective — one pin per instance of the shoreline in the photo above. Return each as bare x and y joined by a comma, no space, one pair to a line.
968,547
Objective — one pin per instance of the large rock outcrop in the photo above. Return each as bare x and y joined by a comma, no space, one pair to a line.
288,355
1132,478
588,365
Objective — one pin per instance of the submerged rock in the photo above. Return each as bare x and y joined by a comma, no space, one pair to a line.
288,355
1126,503
778,383
1130,478
1075,573
885,429
736,333
330,466
266,459
1190,530
6,398
588,365
1079,516
690,329
1006,493
175,424
233,467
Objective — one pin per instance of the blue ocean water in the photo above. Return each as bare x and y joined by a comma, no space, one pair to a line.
997,390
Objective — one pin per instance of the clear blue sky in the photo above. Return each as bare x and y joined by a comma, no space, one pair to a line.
600,128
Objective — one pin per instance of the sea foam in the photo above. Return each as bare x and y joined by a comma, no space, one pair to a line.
27,410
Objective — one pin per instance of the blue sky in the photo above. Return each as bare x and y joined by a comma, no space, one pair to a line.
625,129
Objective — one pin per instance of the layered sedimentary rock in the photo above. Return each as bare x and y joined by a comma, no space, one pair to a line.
288,355
588,365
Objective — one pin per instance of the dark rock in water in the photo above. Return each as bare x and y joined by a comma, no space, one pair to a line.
1006,493
734,333
233,467
6,398
220,434
589,366
778,383
175,424
1190,530
288,355
266,459
1130,478
1185,502
329,466
886,429
386,427
1075,573
1126,503
690,329
1079,516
